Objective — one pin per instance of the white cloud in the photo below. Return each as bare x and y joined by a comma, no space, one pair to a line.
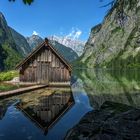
35,33
75,33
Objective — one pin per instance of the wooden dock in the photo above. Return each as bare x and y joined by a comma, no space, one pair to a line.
21,90
32,88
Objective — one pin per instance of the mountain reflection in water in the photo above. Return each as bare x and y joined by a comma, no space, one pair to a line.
56,110
121,86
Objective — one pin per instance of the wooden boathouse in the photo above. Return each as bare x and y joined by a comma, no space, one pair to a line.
44,65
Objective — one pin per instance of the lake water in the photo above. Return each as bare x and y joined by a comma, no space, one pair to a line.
50,113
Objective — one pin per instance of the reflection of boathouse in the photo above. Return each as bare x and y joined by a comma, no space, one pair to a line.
48,110
44,65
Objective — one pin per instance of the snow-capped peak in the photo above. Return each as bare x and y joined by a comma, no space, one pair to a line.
76,45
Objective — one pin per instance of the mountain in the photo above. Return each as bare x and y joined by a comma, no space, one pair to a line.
9,55
66,52
76,45
13,46
116,42
34,40
21,42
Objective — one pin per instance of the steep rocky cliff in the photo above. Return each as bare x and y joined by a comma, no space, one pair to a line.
21,42
112,45
13,46
9,55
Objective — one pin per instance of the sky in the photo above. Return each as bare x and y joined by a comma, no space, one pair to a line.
73,18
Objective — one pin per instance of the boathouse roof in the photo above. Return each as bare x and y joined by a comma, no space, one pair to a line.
47,44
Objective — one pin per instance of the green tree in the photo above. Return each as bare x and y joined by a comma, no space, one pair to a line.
25,1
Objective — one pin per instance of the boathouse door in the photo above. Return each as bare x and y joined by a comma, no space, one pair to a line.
43,73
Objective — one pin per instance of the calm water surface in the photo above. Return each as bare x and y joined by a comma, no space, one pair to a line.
48,114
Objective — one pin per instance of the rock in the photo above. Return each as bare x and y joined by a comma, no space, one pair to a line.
15,80
113,121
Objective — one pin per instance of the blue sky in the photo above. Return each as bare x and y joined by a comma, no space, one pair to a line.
54,17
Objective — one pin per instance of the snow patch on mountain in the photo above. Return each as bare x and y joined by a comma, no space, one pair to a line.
73,43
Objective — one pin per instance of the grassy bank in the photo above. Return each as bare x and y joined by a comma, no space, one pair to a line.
7,87
7,76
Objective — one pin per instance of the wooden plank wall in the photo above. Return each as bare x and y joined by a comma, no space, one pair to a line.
44,67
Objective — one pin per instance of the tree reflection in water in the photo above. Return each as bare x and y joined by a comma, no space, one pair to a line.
121,86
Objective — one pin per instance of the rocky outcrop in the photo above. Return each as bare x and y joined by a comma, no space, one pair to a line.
112,44
113,121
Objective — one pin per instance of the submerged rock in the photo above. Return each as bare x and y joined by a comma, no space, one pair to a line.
113,121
